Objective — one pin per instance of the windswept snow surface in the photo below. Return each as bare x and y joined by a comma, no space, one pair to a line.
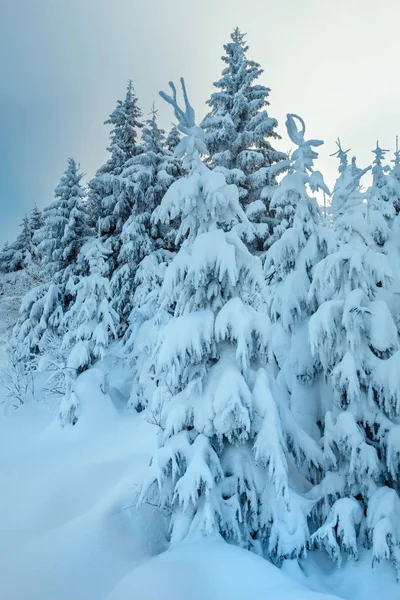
68,530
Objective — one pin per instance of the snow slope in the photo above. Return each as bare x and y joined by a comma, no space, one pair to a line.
68,530
210,570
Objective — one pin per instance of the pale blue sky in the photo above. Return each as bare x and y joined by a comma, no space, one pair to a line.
64,63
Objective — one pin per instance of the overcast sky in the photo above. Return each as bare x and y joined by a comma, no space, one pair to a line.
64,63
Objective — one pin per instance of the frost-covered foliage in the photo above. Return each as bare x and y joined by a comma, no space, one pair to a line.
222,465
381,200
394,179
41,311
90,324
145,321
109,200
64,228
148,175
22,253
354,337
289,263
63,232
260,339
239,133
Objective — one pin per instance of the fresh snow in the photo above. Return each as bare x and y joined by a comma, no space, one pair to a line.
69,532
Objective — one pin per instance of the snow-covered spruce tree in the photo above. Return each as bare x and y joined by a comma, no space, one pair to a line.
90,324
5,258
222,465
288,267
147,317
381,210
17,256
63,232
394,179
77,230
149,175
110,197
36,218
239,133
36,221
173,138
61,229
354,337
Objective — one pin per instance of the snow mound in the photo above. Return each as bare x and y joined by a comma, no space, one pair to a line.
210,570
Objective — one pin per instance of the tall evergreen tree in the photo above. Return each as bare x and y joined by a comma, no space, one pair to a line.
5,258
173,138
65,226
18,255
239,133
110,197
36,219
288,266
222,464
354,337
65,229
381,209
90,324
394,178
148,175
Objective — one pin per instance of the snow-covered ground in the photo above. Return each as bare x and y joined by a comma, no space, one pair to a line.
68,530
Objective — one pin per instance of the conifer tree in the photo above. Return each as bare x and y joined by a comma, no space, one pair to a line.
17,256
90,324
149,175
173,138
65,228
36,219
239,133
354,337
381,211
222,464
394,179
110,196
64,231
288,266
4,258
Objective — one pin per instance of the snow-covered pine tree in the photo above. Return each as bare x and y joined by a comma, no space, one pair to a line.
5,258
17,256
394,179
239,134
77,230
353,335
288,267
90,324
147,316
148,175
110,196
63,232
59,220
381,210
173,138
36,219
222,462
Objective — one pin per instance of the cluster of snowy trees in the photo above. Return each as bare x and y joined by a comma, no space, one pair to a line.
261,333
